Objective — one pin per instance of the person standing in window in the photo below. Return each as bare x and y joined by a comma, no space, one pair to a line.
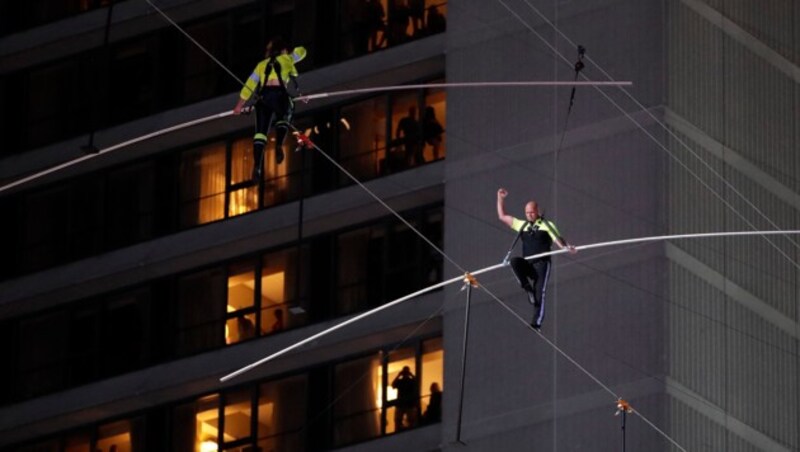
432,130
537,236
266,90
375,25
434,411
407,404
436,21
408,133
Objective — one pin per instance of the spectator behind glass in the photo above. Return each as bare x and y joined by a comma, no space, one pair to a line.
436,21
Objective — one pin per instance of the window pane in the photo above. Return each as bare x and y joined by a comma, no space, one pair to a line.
432,380
357,393
122,436
201,74
282,415
78,442
201,311
202,185
132,66
130,205
43,349
196,425
362,138
406,148
433,124
402,393
124,342
242,200
51,446
238,415
283,183
359,257
282,307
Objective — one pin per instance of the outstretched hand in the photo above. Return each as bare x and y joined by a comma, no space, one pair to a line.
502,193
571,249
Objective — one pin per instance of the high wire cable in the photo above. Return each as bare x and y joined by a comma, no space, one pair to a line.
380,89
489,269
227,113
113,148
654,139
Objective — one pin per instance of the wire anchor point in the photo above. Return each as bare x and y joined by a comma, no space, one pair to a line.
470,280
623,407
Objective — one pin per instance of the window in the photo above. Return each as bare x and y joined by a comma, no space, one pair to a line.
282,415
359,267
362,139
121,436
381,262
130,216
434,118
201,311
124,343
202,185
43,349
284,282
133,75
388,392
202,78
357,414
282,304
267,417
241,310
78,442
195,426
244,199
237,425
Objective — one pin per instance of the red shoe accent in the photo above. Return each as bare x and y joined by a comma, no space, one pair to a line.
303,140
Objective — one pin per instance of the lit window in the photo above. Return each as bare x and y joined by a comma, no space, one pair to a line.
241,303
202,183
242,200
357,413
282,414
115,437
238,415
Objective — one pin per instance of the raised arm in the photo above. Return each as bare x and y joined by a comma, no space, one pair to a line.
501,208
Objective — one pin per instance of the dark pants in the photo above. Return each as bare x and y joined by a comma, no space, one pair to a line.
536,272
273,106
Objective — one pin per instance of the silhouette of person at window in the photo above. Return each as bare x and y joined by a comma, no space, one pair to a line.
434,411
277,325
246,328
432,130
375,26
436,21
416,12
359,28
407,404
408,130
398,21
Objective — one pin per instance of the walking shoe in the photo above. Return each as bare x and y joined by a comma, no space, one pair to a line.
535,325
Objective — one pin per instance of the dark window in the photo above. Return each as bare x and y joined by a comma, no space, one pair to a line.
202,77
201,311
43,349
133,87
130,205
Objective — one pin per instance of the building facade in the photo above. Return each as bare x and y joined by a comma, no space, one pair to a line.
134,280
